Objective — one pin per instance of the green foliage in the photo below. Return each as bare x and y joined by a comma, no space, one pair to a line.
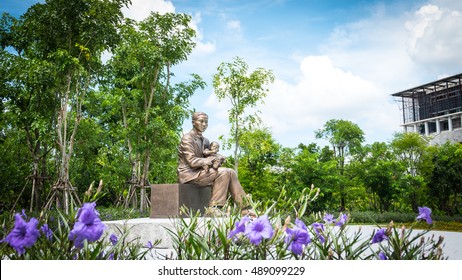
380,173
196,238
121,213
66,108
259,157
57,48
344,136
444,176
58,245
404,244
65,115
151,109
409,149
372,217
346,139
244,90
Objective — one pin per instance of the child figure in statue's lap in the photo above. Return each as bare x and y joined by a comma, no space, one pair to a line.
212,151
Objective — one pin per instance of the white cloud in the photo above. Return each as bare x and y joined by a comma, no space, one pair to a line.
326,92
202,48
375,49
355,72
435,37
234,25
140,9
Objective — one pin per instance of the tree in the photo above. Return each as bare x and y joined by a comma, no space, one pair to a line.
410,148
69,36
152,109
28,98
29,106
259,158
380,172
443,171
345,137
244,90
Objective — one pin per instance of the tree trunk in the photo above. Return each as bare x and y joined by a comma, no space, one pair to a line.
66,145
236,160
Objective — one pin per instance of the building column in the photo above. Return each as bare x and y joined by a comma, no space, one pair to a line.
426,129
438,126
450,123
415,127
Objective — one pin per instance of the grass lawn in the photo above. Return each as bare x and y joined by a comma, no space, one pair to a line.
437,225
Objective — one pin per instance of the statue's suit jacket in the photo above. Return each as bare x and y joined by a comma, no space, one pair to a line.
190,157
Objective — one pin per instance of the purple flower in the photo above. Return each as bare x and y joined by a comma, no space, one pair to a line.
342,220
47,231
88,225
149,244
113,239
382,256
24,234
319,228
258,229
239,227
329,218
297,237
379,236
300,224
424,214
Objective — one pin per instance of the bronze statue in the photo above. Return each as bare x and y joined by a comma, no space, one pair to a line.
191,162
212,151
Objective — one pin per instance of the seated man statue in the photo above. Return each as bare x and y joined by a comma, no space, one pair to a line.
223,180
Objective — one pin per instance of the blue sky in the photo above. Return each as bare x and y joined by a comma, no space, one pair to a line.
332,59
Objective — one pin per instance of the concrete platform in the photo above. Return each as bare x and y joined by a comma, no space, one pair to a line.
167,199
147,229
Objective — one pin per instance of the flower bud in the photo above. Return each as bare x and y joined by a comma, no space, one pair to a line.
390,226
422,241
330,255
287,221
440,240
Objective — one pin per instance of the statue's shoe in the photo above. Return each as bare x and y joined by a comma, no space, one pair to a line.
248,212
214,212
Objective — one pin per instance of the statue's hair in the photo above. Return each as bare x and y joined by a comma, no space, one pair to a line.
196,115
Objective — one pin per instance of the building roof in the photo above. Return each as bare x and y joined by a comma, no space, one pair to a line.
432,87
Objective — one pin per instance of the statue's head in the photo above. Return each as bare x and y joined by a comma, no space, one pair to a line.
214,145
200,121
197,115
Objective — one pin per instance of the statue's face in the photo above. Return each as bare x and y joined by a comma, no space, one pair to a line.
214,146
201,124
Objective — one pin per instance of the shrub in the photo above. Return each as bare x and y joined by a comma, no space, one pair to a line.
78,235
312,237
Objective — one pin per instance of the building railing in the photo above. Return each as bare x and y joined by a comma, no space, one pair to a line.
454,121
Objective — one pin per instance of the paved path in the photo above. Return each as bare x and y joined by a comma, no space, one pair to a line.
452,240
152,229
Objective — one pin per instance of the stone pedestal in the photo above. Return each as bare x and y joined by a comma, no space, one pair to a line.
167,199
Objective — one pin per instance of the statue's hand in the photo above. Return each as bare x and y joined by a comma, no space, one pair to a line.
209,161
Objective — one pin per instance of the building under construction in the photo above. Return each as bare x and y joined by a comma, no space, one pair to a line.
434,109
